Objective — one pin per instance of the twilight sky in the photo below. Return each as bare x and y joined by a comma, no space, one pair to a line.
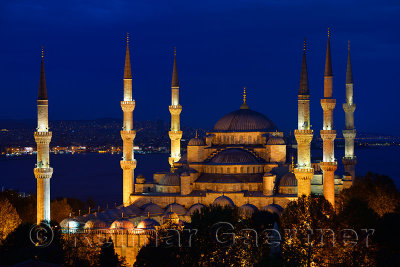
221,47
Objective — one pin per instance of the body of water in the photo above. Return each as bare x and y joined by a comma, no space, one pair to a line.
99,176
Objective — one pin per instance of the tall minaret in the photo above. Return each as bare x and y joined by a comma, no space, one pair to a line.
128,162
328,135
42,170
349,133
304,173
175,109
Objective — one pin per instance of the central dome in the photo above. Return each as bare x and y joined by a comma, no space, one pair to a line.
234,156
244,120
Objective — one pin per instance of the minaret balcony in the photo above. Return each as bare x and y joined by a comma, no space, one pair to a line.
328,103
128,106
175,135
42,137
349,160
328,166
303,173
328,134
128,135
43,173
128,164
349,108
175,109
349,134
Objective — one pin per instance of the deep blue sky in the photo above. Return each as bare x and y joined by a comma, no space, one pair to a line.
221,45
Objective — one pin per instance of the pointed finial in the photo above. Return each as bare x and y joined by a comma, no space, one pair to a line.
244,94
348,45
42,52
328,32
304,46
148,214
196,134
122,214
174,50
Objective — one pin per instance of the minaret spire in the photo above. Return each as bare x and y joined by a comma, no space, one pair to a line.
175,109
349,160
127,69
128,134
328,134
303,172
43,172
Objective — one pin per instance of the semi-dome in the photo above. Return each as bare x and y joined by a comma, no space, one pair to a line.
289,179
148,224
175,207
193,208
223,201
122,224
152,209
275,140
234,156
170,179
95,224
244,120
197,142
140,179
247,209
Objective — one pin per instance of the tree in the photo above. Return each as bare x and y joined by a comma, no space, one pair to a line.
60,209
108,257
303,243
378,191
9,219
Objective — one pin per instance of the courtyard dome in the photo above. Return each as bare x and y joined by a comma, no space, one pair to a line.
152,209
193,208
289,179
234,156
122,225
70,223
177,208
95,224
273,208
148,224
223,201
170,179
245,120
274,140
247,209
197,142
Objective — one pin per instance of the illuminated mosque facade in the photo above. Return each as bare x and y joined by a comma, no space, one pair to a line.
242,161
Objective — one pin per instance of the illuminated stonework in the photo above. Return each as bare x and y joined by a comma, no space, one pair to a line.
128,162
43,172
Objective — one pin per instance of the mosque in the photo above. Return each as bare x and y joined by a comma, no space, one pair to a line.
242,161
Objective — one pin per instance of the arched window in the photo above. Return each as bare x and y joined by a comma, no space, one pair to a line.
234,170
228,170
248,169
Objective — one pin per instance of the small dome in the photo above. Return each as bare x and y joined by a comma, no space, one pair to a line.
148,224
274,140
244,120
152,209
234,155
140,179
247,209
223,201
273,208
197,142
70,223
122,224
170,179
193,208
171,217
95,224
289,179
175,207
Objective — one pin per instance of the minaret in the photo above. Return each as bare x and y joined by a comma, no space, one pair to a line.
128,162
304,173
42,170
175,109
349,133
328,135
